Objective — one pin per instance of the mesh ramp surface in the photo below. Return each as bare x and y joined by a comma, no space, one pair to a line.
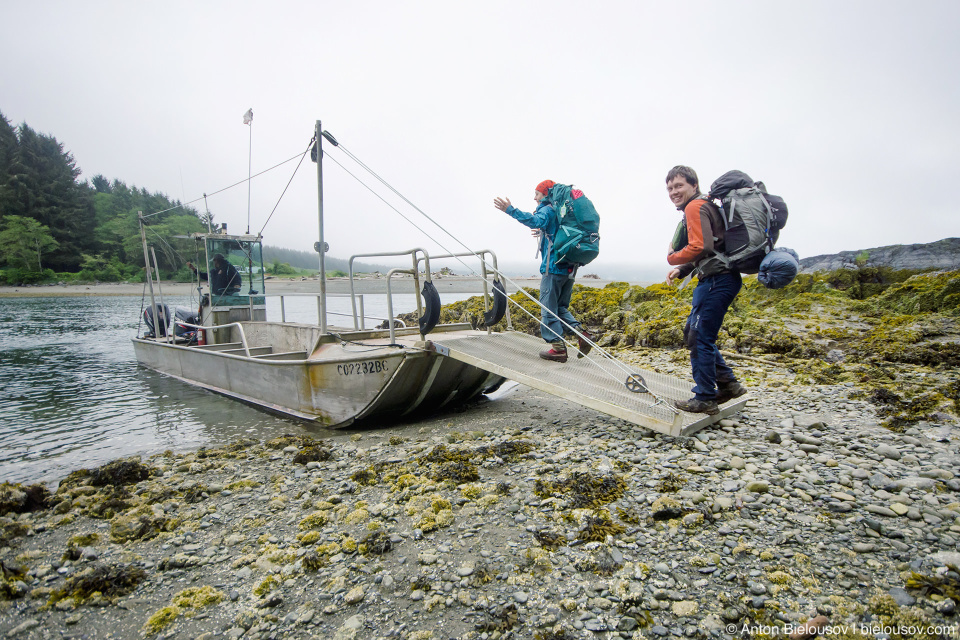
593,381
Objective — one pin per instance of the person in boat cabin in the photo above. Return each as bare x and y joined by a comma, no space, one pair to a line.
223,279
699,237
556,280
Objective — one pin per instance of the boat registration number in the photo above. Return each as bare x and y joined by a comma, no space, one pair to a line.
361,368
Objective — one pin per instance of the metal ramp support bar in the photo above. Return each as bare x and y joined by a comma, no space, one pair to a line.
593,382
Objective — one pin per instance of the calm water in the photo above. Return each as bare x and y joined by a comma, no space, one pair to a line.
72,395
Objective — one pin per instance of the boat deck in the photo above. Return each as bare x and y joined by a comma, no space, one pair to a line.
593,381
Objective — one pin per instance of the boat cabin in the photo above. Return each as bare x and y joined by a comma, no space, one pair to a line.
234,280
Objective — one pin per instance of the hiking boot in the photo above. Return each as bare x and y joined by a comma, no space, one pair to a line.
582,343
727,391
557,352
693,405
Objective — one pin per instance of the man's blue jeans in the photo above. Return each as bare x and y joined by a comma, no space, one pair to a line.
555,292
711,299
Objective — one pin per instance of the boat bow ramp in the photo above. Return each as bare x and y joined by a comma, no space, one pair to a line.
595,381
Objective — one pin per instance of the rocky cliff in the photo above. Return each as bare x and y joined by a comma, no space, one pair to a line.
942,254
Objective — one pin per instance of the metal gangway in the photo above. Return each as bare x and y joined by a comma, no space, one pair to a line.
592,381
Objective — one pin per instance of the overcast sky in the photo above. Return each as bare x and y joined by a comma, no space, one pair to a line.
848,110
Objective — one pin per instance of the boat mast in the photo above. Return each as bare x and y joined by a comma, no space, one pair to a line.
321,246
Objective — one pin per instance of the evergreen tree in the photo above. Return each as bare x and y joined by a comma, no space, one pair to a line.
43,185
8,149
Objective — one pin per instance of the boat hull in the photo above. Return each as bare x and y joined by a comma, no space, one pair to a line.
336,386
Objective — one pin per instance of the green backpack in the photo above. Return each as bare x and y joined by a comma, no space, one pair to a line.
578,239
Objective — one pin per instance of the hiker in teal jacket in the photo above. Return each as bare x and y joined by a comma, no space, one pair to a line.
556,282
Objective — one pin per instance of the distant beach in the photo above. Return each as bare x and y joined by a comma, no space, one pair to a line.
445,284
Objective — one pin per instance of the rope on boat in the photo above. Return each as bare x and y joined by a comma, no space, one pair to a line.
631,375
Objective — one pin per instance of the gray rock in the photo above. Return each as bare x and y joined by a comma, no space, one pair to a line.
901,597
803,438
758,486
946,607
887,451
23,627
595,624
807,422
942,254
923,484
788,465
626,623
942,558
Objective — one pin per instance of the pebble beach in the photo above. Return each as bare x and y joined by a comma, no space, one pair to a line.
522,517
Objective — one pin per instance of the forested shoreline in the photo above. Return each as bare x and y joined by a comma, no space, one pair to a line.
56,227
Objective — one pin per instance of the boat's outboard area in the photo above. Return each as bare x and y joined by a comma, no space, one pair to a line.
166,317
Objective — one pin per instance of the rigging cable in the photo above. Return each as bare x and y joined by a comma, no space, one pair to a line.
180,206
302,156
616,362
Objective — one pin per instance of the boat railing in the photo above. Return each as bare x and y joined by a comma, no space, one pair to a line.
319,297
197,327
358,320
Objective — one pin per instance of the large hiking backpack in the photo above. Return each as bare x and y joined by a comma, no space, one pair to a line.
752,219
578,239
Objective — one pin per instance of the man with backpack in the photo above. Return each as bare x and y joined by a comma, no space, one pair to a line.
556,282
699,237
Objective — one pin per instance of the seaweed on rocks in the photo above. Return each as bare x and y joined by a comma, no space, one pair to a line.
585,490
120,472
366,477
142,524
945,584
670,483
457,472
10,529
108,581
312,453
503,619
376,543
291,440
549,539
17,498
598,526
511,450
553,634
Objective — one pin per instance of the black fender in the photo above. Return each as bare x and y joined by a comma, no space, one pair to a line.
496,313
431,311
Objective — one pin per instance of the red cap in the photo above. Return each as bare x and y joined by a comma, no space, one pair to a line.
544,187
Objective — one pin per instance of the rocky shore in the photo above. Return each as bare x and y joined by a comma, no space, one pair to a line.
525,517
830,505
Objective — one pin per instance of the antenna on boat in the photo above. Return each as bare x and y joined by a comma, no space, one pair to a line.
248,120
207,208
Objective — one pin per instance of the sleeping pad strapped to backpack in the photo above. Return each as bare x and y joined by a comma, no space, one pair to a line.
752,219
578,239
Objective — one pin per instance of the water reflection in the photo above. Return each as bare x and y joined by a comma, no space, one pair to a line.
72,395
